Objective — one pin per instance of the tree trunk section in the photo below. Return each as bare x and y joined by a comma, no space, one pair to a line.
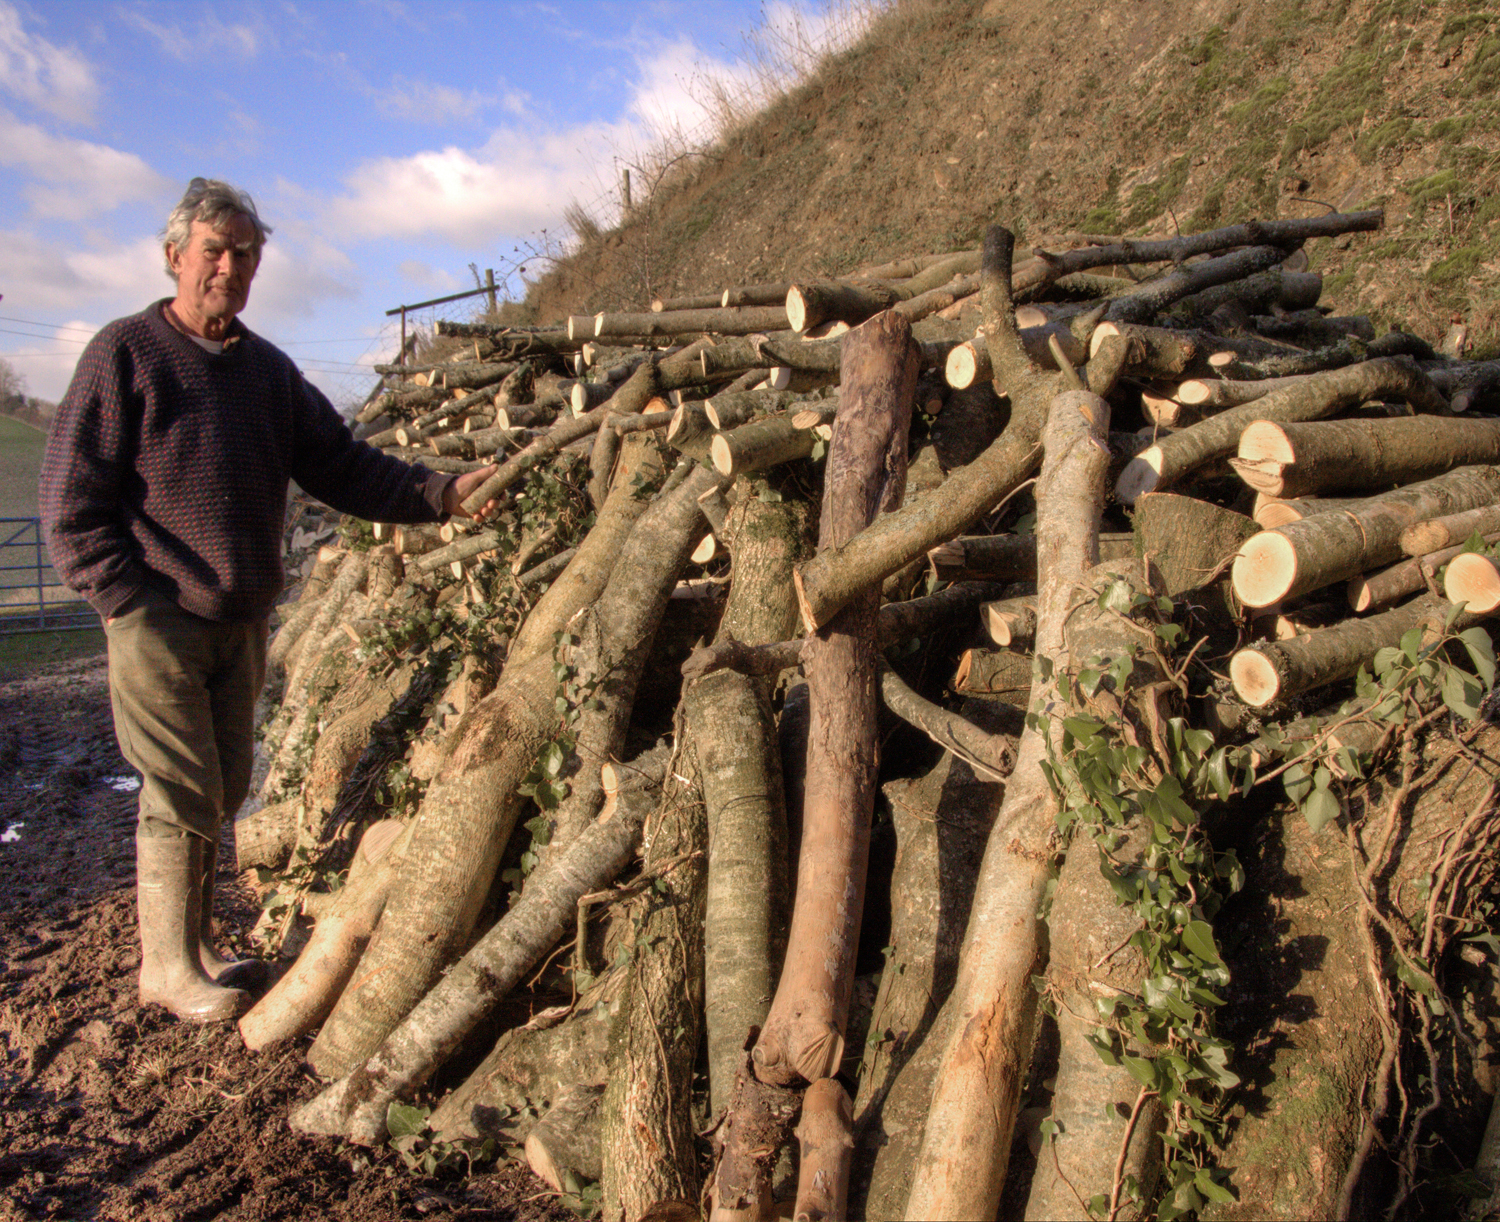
804,1032
960,1169
1332,547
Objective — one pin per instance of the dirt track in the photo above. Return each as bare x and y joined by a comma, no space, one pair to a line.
111,1110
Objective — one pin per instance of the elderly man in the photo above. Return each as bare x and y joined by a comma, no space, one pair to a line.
163,496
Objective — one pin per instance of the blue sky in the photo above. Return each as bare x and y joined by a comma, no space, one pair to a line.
389,144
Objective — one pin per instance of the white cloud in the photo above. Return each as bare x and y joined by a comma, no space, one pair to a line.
208,35
77,178
425,276
56,79
47,363
426,102
517,183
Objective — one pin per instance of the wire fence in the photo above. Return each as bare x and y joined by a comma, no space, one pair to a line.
32,596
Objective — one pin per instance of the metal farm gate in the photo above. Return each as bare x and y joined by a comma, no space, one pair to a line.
32,597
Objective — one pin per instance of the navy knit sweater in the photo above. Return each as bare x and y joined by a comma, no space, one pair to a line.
167,467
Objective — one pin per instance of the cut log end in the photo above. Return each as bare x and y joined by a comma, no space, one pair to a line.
1140,476
1266,441
1264,570
796,309
1254,678
1475,580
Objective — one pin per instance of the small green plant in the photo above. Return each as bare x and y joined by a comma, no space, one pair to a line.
423,1152
285,890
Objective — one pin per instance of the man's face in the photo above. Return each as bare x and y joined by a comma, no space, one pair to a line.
214,268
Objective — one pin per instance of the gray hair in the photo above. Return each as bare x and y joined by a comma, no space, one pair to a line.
215,203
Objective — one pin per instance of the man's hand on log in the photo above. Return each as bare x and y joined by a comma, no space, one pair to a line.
456,493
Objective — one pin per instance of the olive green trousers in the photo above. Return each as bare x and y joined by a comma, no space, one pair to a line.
183,692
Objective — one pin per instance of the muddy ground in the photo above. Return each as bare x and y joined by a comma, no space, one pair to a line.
112,1110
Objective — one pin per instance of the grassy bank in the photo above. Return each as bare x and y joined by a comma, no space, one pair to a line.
21,449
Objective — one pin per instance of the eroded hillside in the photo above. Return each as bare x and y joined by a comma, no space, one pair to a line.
1111,116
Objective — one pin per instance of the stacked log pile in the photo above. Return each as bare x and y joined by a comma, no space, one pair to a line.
828,477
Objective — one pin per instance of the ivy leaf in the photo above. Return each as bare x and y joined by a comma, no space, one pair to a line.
1081,728
1218,773
1411,645
1320,808
1481,653
1215,1192
1386,658
404,1120
1143,1070
1198,937
1461,694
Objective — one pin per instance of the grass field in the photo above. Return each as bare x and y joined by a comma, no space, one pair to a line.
21,449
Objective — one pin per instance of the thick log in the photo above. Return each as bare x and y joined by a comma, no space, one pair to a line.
1190,281
990,1015
766,443
941,821
831,578
565,1139
733,356
303,997
750,320
530,1064
615,636
1269,672
809,305
826,1141
467,814
1270,512
1450,531
1328,548
1314,398
1470,385
1007,557
265,836
1255,293
728,721
646,1114
1293,460
1375,591
1090,957
986,753
803,1037
1011,622
355,1106
1289,362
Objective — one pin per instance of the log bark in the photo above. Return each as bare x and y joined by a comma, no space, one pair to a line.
1191,281
265,836
1293,460
564,1142
1328,548
941,821
763,444
720,320
825,1136
960,1169
1375,591
355,1106
834,576
1315,398
645,1116
728,720
1270,672
615,638
1007,557
803,1037
303,997
1450,530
